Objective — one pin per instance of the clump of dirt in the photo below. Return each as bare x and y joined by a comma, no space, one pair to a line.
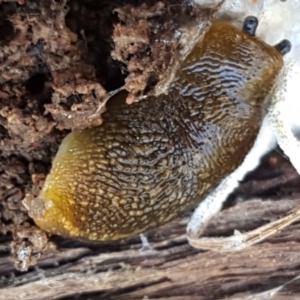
58,62
138,45
153,40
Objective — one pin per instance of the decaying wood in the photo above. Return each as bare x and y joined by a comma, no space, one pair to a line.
173,270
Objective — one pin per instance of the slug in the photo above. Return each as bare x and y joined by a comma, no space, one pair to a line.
153,159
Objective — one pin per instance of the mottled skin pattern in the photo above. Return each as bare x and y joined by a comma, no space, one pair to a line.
153,159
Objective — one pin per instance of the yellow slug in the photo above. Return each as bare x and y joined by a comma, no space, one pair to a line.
153,159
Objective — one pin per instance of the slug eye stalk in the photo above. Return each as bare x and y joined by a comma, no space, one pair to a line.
250,25
284,47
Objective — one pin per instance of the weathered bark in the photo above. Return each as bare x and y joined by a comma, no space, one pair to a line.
173,270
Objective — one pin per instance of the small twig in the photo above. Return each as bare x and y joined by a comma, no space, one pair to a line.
240,241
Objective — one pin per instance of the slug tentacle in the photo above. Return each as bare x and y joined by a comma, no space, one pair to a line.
250,25
284,47
153,159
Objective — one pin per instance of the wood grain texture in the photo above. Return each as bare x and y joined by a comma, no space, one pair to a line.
173,270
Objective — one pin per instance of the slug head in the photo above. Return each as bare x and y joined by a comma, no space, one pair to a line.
245,67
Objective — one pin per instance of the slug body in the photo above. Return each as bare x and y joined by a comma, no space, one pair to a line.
153,159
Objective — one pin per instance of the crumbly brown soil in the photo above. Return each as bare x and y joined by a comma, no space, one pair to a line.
58,62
